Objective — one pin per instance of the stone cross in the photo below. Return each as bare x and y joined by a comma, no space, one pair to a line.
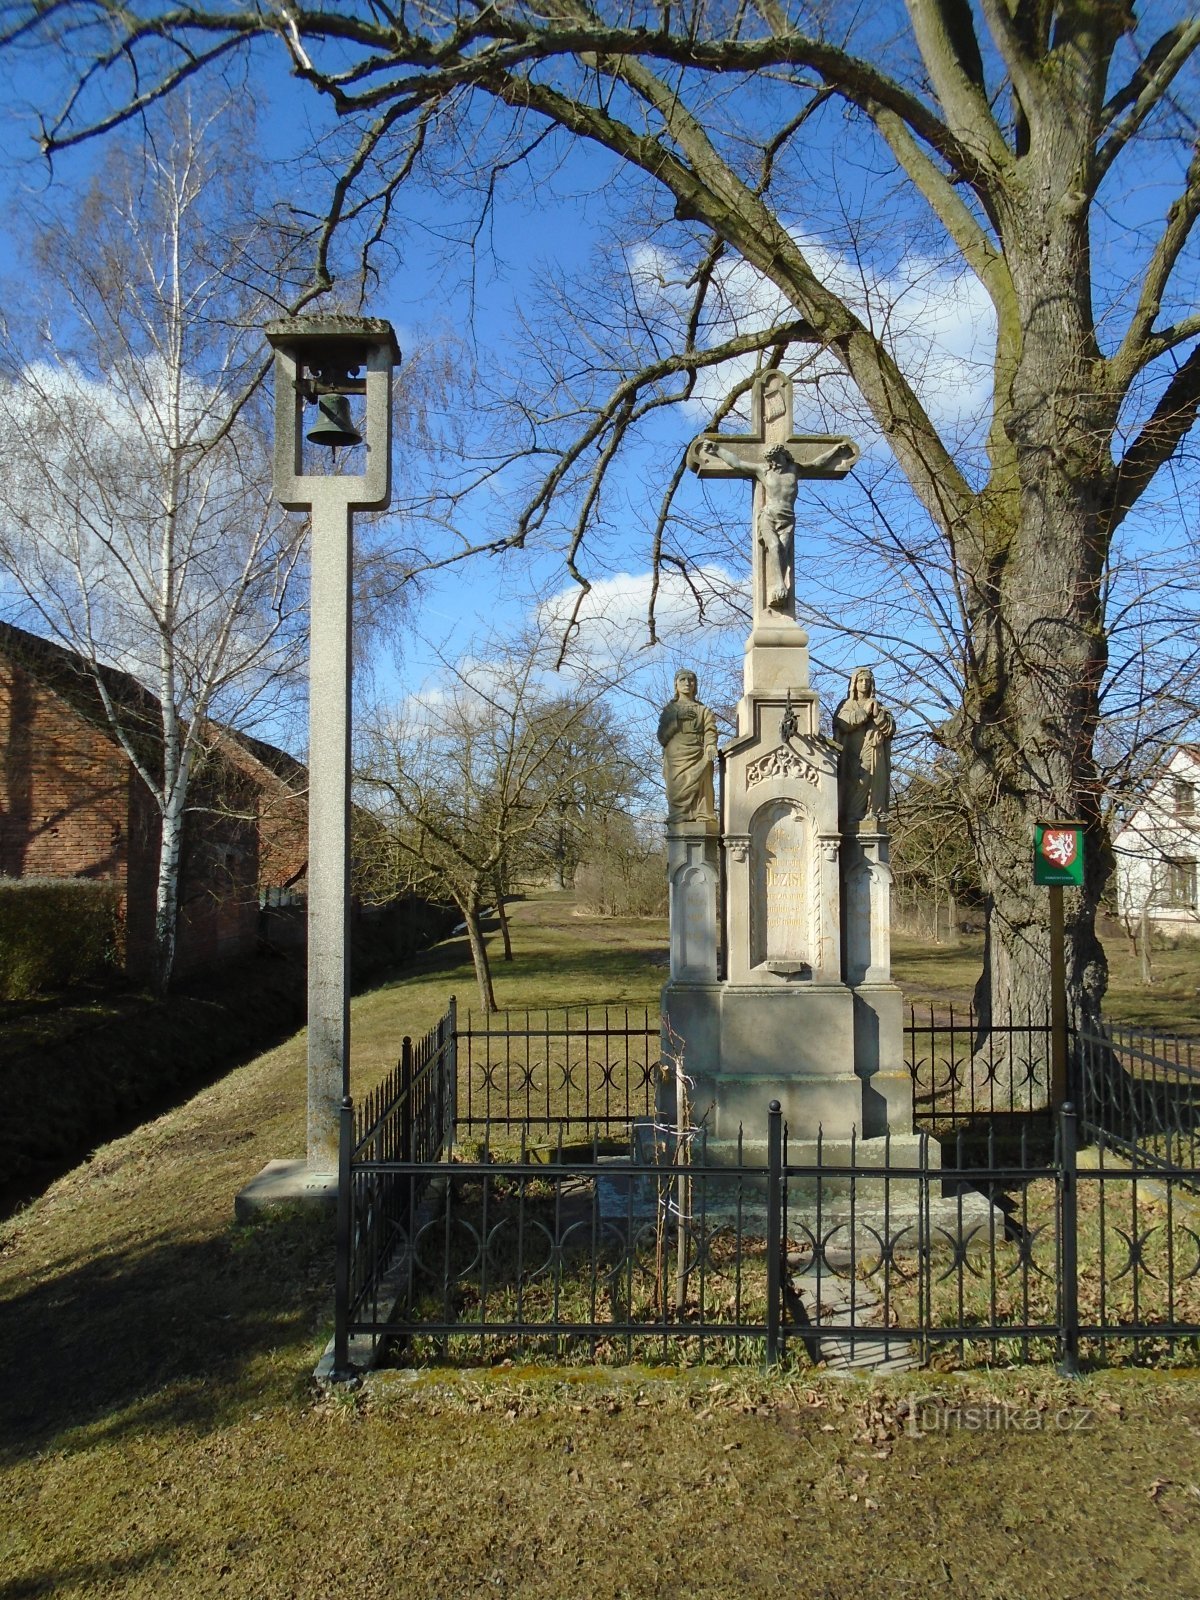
776,459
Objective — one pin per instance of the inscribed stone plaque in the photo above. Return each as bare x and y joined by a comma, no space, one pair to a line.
780,887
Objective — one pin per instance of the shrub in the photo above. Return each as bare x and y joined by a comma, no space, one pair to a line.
623,874
55,932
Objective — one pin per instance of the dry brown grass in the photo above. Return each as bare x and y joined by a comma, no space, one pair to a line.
159,1434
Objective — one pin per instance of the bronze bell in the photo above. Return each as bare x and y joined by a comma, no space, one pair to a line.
334,425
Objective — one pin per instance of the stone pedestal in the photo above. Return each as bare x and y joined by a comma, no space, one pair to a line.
781,985
867,964
867,904
774,1019
693,900
745,1045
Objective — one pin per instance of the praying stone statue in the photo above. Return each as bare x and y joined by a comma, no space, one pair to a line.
865,729
687,732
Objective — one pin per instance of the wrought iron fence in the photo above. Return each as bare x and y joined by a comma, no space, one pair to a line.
997,1245
1138,1090
587,1073
581,1260
965,1075
1139,1093
391,1148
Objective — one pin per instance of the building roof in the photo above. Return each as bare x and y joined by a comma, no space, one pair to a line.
293,774
73,678
76,680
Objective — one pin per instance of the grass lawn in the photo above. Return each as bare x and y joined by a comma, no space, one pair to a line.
160,1435
945,974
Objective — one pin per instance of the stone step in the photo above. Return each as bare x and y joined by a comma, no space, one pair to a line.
853,1223
838,1300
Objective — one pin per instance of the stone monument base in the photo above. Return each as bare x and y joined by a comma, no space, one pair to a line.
830,1055
846,1218
286,1183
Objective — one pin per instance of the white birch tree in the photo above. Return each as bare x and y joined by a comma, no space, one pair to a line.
136,527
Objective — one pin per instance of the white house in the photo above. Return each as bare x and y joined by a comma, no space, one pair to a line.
1157,850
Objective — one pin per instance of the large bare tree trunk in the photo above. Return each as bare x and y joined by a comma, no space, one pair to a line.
1034,602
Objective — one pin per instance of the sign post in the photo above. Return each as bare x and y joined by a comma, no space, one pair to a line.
1058,860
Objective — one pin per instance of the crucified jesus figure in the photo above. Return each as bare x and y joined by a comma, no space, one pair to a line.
778,474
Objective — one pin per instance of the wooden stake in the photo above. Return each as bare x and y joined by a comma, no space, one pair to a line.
1058,999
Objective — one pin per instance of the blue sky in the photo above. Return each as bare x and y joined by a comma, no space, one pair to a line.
552,215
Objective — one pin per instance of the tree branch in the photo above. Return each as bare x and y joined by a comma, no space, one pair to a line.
1172,418
937,26
1140,344
1145,89
624,395
706,189
980,253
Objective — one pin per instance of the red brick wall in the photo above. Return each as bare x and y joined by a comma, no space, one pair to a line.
64,787
72,805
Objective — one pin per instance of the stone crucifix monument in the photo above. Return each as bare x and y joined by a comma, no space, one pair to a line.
780,984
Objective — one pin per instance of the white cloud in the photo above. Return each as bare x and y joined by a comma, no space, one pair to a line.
935,319
612,633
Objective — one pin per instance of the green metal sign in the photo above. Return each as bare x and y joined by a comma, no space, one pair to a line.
1058,853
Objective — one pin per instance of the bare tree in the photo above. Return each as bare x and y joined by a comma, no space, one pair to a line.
465,781
590,775
932,860
135,520
1012,134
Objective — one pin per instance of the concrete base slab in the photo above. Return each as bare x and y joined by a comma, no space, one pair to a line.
868,1347
851,1220
286,1183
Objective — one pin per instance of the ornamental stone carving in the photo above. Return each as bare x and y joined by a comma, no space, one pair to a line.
781,763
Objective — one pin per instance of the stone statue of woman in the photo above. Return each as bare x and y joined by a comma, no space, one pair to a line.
687,732
865,729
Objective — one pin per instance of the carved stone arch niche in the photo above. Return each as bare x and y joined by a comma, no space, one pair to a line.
694,920
782,888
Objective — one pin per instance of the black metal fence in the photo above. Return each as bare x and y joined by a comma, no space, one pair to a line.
585,1073
1140,1092
1001,1240
392,1147
1141,1088
965,1075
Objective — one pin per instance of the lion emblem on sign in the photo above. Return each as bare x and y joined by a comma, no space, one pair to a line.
1059,846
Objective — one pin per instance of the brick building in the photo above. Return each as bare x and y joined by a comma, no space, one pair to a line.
73,805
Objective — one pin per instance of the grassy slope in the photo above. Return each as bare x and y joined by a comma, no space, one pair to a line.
158,1432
